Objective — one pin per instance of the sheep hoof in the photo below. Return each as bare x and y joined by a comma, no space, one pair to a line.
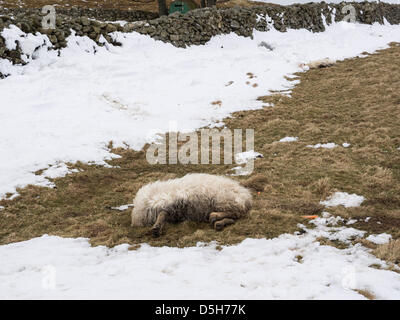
212,218
212,221
156,232
219,225
215,216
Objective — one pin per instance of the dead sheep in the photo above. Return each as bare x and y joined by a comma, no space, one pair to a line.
194,197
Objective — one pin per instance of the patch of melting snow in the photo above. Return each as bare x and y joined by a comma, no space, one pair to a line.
13,196
351,221
240,171
379,238
328,230
253,269
343,198
267,104
58,170
244,157
329,145
120,22
123,207
289,139
346,145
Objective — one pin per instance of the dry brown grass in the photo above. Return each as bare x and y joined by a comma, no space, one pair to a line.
367,294
355,101
389,252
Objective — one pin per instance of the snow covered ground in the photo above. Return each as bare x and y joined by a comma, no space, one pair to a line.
65,109
289,139
344,199
287,267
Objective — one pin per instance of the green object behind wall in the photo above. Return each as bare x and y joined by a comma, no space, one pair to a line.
182,6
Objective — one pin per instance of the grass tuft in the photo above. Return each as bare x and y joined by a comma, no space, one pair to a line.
389,252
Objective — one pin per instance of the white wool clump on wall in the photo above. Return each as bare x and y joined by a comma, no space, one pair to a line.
344,199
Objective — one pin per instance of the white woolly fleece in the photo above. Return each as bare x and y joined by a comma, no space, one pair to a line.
203,193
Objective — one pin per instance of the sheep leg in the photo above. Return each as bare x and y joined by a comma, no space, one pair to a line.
159,225
219,225
216,216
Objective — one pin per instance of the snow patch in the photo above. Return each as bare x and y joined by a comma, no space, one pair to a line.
240,171
329,145
123,207
253,269
379,238
289,139
344,199
57,171
29,43
244,157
